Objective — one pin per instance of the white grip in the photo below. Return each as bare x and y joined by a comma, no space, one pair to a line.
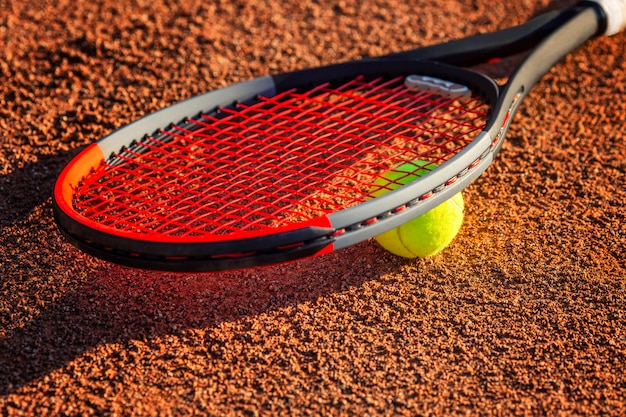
616,15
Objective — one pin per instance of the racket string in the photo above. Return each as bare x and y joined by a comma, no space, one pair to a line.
281,160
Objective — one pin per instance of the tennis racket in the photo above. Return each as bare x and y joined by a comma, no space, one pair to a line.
281,167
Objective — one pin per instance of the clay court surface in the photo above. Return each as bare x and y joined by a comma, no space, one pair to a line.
524,314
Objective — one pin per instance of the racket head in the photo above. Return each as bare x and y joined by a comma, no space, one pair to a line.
279,172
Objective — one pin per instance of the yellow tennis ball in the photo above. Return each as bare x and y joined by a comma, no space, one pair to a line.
428,234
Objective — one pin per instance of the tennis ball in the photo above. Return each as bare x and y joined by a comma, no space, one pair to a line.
428,234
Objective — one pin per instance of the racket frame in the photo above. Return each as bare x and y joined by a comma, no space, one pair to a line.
354,224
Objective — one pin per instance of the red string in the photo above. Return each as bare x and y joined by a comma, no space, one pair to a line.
281,160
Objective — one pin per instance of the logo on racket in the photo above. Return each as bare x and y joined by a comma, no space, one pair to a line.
425,83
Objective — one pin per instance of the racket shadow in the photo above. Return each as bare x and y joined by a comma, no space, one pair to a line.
29,186
118,305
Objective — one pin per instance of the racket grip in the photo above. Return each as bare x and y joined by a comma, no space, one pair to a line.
615,11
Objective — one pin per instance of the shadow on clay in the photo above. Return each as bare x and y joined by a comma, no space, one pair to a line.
114,304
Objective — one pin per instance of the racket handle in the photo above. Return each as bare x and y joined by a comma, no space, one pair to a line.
615,11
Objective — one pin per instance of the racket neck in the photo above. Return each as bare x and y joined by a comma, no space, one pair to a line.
580,26
482,48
